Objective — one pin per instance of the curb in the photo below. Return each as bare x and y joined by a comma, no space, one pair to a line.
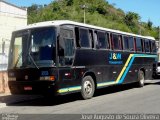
4,94
2,105
152,81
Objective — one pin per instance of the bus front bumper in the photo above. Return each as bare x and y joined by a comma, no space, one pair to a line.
32,87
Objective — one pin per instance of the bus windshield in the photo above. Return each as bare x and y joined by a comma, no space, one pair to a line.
33,48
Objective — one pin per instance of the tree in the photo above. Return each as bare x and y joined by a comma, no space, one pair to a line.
99,13
34,8
69,2
149,24
131,18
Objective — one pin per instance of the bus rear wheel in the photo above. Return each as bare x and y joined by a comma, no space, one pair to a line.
140,79
88,87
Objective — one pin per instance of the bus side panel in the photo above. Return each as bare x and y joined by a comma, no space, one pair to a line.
70,79
116,67
140,63
109,66
94,61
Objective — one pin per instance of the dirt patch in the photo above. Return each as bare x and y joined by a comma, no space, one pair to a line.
4,82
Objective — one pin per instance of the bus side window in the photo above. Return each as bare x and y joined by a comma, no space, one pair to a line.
125,43
95,39
153,48
138,45
131,43
128,43
117,43
91,37
134,42
150,45
147,46
84,38
102,43
143,45
66,47
77,36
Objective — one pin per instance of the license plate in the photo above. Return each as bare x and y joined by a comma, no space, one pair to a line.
28,88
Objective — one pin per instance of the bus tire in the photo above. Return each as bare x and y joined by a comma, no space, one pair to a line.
140,79
88,87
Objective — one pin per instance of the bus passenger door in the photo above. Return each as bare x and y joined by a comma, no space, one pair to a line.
66,50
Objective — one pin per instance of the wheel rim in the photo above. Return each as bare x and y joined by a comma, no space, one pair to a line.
88,87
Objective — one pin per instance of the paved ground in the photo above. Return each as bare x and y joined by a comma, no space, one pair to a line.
118,99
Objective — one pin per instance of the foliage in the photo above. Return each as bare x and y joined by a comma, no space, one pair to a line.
149,24
131,19
98,12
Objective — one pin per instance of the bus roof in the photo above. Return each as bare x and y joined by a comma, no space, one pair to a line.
68,22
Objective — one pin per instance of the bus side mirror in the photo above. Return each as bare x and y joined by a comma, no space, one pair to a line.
60,49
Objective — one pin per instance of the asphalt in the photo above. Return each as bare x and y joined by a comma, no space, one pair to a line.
8,98
113,100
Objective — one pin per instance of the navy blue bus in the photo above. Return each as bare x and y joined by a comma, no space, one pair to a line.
61,57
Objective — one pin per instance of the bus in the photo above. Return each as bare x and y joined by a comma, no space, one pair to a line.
61,57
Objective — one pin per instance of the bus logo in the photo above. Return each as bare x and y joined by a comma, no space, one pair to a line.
115,58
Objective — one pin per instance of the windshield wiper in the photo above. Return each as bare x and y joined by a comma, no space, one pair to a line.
33,61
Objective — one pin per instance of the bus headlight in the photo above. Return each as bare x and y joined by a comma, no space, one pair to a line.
51,78
11,78
158,69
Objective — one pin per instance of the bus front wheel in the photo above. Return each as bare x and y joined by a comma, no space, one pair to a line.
88,87
140,78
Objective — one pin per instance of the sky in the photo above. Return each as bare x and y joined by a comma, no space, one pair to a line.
147,9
